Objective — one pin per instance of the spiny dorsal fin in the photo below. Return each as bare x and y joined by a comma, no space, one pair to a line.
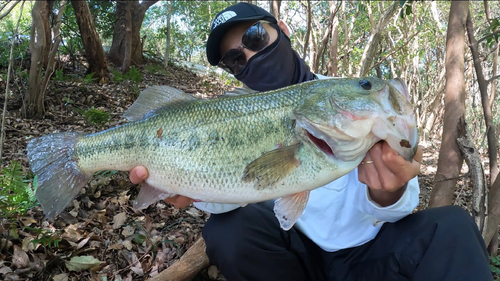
153,98
239,92
272,166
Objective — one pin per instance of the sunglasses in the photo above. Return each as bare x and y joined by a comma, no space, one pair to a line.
255,39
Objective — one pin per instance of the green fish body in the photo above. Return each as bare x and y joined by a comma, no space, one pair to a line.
237,149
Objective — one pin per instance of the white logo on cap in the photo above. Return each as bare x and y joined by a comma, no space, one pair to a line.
222,18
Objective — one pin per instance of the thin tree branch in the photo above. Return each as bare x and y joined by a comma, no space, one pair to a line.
492,78
11,59
489,35
394,51
10,9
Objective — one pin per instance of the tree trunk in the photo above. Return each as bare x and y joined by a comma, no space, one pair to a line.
450,159
333,22
373,44
167,35
117,50
493,217
186,268
485,101
39,45
127,50
91,41
308,31
333,69
274,8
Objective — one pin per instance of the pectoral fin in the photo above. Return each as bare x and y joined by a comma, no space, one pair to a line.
288,209
272,166
149,195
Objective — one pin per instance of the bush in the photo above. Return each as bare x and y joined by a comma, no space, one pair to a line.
133,74
16,194
96,116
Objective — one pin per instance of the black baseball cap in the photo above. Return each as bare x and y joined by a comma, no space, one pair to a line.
227,19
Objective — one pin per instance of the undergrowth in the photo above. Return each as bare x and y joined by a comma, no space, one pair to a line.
95,116
133,74
17,192
495,267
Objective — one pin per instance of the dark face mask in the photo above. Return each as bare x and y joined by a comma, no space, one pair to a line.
275,67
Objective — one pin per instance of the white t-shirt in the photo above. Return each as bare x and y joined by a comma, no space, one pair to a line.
341,214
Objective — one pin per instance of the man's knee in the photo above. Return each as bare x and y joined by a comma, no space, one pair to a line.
453,222
453,218
230,235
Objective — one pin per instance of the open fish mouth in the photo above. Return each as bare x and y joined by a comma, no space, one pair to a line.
321,144
329,143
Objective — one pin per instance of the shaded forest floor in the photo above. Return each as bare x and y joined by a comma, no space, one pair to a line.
101,223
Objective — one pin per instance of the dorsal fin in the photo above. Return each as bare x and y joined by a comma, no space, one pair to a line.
239,92
153,98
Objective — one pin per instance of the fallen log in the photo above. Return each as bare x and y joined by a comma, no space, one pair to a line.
186,268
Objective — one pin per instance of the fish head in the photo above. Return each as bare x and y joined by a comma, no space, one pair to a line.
345,117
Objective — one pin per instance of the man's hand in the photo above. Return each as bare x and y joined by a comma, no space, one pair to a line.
386,173
140,173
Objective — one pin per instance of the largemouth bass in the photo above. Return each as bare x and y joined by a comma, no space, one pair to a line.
237,149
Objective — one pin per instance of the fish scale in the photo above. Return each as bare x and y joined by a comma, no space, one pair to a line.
238,149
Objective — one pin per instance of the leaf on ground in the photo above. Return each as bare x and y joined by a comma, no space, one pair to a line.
5,244
82,263
61,277
213,272
73,233
119,220
82,243
20,259
194,212
27,221
128,231
5,270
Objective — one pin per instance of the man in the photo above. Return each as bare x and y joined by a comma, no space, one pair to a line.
358,227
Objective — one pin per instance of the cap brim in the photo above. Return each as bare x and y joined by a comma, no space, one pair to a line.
215,37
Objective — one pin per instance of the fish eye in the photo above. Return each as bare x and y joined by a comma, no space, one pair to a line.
365,84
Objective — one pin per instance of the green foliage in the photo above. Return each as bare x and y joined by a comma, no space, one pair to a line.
117,76
495,266
89,78
190,25
106,173
155,69
104,17
133,75
134,89
67,101
59,75
95,116
16,194
46,237
20,51
493,35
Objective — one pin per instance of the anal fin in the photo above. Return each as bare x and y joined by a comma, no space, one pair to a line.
288,209
149,195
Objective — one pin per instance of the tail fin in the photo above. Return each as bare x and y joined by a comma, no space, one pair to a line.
52,158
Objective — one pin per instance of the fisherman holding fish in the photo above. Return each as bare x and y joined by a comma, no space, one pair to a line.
340,157
373,237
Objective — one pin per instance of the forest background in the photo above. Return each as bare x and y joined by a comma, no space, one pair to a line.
76,65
